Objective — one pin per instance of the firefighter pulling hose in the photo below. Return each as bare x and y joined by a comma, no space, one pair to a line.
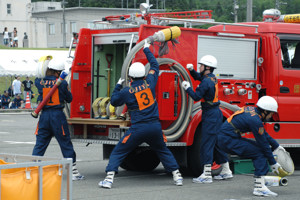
145,124
250,119
176,129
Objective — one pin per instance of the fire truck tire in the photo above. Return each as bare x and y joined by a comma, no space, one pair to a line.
141,159
195,167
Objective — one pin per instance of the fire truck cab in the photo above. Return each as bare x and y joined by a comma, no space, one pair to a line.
254,59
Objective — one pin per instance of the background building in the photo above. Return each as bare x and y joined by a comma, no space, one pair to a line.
43,21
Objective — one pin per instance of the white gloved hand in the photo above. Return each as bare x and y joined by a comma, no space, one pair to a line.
120,81
190,67
185,85
280,148
275,168
146,45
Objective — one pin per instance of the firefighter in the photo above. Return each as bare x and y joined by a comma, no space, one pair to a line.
17,102
145,126
5,100
250,119
53,121
207,92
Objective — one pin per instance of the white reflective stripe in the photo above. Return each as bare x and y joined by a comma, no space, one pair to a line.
15,142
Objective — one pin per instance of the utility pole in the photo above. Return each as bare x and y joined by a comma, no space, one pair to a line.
235,10
278,3
249,10
64,25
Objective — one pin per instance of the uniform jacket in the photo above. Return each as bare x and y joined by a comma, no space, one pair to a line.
250,121
205,90
5,100
17,103
127,95
63,92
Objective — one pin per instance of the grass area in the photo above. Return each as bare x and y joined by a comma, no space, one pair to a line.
6,81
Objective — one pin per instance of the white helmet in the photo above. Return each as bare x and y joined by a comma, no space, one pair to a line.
137,70
267,103
209,61
56,65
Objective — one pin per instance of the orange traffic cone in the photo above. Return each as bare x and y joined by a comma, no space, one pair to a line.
27,103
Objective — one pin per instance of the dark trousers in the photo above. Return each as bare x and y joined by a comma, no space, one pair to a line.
231,143
209,149
150,133
53,122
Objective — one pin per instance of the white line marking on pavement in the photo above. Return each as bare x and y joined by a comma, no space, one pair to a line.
7,120
4,133
15,142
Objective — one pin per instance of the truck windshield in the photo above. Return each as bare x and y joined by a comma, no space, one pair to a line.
290,51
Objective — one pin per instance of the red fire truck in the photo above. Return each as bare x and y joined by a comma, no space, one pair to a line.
254,59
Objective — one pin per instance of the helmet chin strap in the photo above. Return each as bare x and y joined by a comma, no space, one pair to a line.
202,73
205,68
266,113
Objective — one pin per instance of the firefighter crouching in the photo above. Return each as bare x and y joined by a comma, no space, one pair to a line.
207,92
52,121
250,119
145,125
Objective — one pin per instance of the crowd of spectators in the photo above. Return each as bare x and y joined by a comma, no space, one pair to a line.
12,99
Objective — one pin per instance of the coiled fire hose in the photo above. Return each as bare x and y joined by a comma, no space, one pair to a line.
178,127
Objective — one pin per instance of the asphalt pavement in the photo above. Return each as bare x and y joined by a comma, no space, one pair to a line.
17,137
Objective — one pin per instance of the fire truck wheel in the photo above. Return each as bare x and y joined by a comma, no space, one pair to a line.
141,159
194,164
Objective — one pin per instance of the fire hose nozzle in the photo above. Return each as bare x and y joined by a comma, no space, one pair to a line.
167,34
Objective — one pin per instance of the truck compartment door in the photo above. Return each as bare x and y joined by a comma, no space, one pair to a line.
109,52
289,79
236,56
167,95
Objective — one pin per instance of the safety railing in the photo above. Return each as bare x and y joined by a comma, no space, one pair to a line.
13,162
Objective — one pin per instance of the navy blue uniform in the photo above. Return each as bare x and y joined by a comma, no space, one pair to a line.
145,125
5,100
207,91
16,103
53,121
248,120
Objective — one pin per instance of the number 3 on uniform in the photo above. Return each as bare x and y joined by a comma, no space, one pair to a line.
144,98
